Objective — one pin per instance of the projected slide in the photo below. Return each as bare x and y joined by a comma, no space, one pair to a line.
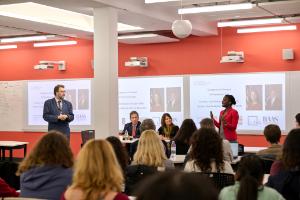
260,98
77,91
151,97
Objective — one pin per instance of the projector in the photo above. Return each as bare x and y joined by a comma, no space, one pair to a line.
233,57
43,66
137,62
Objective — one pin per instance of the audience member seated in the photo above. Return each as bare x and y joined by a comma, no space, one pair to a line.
272,134
227,151
6,190
150,151
149,158
97,174
297,120
147,124
207,153
120,152
176,186
47,170
287,180
133,128
249,182
183,136
167,130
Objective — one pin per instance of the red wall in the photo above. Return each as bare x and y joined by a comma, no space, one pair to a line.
194,55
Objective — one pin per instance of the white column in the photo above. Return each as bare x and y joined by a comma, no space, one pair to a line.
105,83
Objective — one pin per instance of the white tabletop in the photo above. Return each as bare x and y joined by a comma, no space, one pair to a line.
12,143
178,159
253,149
127,141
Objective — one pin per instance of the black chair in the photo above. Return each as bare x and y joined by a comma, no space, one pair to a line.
87,135
136,174
220,180
8,171
267,165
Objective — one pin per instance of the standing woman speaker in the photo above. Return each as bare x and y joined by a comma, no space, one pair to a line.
228,119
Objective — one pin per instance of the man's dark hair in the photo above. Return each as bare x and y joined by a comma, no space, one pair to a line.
272,133
56,88
175,185
133,112
298,118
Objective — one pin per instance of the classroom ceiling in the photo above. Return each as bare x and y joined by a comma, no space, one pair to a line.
154,18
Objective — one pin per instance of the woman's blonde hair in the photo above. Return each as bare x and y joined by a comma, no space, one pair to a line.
150,150
51,149
97,171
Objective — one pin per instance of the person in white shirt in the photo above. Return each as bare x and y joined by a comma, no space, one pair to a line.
207,153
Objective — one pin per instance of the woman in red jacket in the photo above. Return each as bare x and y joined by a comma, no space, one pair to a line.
228,119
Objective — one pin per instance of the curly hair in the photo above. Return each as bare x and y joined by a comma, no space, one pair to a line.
120,151
187,128
291,150
207,146
51,149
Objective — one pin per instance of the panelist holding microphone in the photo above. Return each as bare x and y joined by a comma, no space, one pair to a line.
228,119
58,112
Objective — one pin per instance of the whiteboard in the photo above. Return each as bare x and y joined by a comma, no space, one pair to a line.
12,105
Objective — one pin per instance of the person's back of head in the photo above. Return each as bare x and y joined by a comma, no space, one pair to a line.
186,130
97,170
207,146
147,124
176,186
291,150
120,151
272,133
207,123
52,149
297,120
150,150
250,174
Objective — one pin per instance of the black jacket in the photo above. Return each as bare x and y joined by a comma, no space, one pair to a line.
128,128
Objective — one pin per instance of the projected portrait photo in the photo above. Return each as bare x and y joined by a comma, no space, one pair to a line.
157,100
254,97
83,99
174,99
71,96
273,100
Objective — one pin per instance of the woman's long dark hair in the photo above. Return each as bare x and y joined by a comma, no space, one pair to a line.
291,150
250,174
184,134
120,151
207,146
163,118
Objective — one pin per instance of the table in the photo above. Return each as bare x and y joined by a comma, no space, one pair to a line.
253,149
11,145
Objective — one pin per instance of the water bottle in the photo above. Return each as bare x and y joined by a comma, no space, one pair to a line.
126,135
173,150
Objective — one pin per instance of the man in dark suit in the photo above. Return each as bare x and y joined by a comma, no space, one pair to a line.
58,112
133,128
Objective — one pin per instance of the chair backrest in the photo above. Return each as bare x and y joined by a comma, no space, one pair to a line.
135,174
267,165
220,180
8,171
87,135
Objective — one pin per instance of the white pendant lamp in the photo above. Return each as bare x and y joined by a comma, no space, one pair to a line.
182,28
